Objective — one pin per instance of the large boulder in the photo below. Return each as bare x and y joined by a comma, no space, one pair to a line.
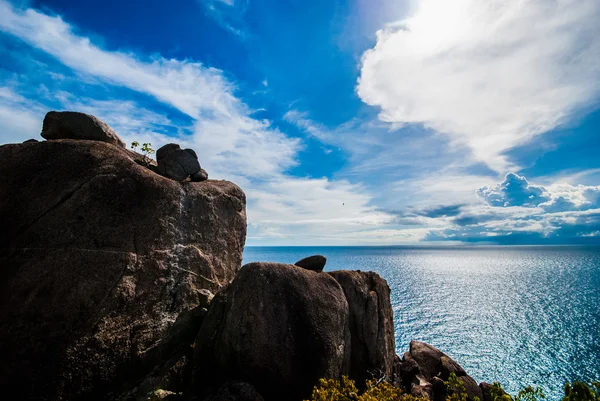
281,328
372,344
179,164
98,257
75,125
278,327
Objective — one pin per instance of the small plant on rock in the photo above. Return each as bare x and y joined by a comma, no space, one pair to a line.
456,390
498,393
146,150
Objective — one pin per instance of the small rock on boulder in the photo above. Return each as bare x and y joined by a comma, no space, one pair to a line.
75,125
315,263
201,175
177,163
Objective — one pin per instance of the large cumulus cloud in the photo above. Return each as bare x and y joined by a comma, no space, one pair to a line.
489,74
516,190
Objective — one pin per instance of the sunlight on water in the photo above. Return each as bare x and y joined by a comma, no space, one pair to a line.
517,315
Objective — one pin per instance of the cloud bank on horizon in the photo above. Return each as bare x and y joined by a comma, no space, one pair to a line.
429,140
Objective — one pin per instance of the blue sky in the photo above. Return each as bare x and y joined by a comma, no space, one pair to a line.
350,122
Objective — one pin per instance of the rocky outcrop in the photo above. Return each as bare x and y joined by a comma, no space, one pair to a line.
424,369
107,276
315,263
75,125
281,328
179,164
278,327
371,324
98,257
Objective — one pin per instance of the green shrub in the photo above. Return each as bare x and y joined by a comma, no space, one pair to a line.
580,391
345,390
456,390
379,390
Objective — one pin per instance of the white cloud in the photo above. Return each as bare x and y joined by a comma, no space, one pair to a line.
190,87
515,190
20,118
230,143
491,75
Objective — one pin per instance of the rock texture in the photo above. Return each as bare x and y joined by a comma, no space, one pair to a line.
235,391
200,176
177,163
314,263
423,370
371,323
281,328
98,257
277,327
75,125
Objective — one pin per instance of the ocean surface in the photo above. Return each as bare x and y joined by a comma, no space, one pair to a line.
517,315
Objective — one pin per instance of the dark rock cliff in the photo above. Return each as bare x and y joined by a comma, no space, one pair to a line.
98,257
108,270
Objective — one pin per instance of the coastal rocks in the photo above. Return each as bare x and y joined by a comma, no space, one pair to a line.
315,263
424,369
371,323
75,125
98,257
179,164
281,328
277,327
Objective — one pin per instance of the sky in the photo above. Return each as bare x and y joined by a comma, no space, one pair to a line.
346,122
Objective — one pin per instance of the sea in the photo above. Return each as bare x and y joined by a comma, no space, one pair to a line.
516,315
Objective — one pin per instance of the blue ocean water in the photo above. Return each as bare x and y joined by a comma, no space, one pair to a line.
518,315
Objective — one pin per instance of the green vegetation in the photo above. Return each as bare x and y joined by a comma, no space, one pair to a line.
146,150
345,390
580,391
379,390
456,390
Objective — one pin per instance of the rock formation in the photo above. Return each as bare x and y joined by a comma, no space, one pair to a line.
98,257
371,324
278,327
314,263
107,276
281,328
424,369
75,125
179,164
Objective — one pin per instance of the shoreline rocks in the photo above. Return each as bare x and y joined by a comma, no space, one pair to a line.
424,369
